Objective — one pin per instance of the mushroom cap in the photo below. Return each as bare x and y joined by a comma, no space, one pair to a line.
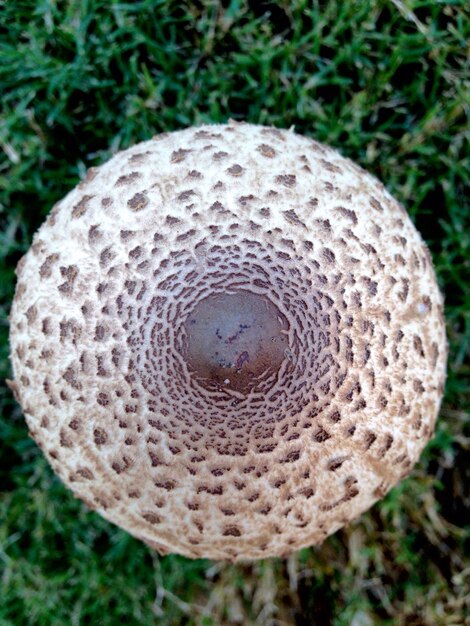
229,341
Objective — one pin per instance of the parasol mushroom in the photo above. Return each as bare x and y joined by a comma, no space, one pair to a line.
229,341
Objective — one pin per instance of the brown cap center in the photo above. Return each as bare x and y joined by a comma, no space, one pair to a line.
234,340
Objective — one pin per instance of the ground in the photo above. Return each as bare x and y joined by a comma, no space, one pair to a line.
387,83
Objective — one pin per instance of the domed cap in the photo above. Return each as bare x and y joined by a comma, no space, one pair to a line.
229,341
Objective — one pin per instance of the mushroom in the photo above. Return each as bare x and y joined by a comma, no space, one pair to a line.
229,341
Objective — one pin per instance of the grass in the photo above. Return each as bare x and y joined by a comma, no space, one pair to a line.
387,82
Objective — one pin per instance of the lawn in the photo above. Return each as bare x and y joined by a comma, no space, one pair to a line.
385,82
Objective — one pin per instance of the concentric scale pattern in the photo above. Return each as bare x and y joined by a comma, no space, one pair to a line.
229,341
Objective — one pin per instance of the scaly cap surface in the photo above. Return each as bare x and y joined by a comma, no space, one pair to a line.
279,441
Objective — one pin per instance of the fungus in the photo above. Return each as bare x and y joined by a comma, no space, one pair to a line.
229,341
